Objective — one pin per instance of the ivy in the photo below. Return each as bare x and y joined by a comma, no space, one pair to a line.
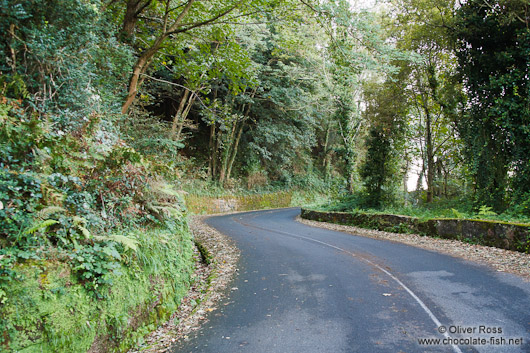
493,52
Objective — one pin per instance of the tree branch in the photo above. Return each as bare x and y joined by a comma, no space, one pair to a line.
142,8
193,93
189,26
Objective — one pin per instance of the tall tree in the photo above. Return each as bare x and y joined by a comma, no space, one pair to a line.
494,56
163,20
386,112
356,51
423,27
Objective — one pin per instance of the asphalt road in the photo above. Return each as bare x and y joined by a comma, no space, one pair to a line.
304,289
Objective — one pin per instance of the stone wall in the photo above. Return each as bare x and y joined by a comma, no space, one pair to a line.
491,233
210,205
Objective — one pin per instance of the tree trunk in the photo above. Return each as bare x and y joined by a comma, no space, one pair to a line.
176,27
430,158
326,145
234,150
139,68
226,154
143,61
12,50
214,143
185,114
405,181
216,154
235,143
439,176
211,144
132,11
446,176
351,181
419,183
178,114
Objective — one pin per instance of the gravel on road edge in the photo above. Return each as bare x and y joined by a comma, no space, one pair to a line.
210,282
499,259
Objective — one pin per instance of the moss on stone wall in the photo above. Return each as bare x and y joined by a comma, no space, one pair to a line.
210,205
491,233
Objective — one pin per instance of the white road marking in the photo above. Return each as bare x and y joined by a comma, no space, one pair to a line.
412,294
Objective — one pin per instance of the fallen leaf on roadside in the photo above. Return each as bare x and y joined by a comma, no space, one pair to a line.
202,297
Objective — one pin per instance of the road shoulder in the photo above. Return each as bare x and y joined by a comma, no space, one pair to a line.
498,259
211,281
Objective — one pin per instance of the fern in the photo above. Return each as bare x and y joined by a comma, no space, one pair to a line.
47,211
486,211
125,241
80,225
78,220
168,211
456,213
43,225
86,233
165,191
51,195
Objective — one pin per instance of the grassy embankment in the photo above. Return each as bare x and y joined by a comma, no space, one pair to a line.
48,308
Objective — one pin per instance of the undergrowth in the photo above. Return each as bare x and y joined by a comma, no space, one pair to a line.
49,310
95,247
455,208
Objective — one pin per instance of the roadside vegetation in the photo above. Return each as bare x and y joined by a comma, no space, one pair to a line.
456,116
112,113
455,209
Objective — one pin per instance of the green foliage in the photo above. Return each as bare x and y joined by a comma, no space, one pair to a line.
20,193
486,211
7,274
493,48
44,225
282,123
69,185
54,308
521,207
148,134
93,264
18,134
346,203
386,112
457,208
43,42
434,93
378,169
125,241
399,228
456,213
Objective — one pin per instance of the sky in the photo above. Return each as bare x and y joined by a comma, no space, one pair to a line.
363,4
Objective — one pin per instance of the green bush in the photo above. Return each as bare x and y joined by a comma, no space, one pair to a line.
20,195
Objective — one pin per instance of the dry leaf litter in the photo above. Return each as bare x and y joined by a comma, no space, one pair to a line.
501,260
208,288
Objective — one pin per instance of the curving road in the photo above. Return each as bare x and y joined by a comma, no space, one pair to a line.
304,289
